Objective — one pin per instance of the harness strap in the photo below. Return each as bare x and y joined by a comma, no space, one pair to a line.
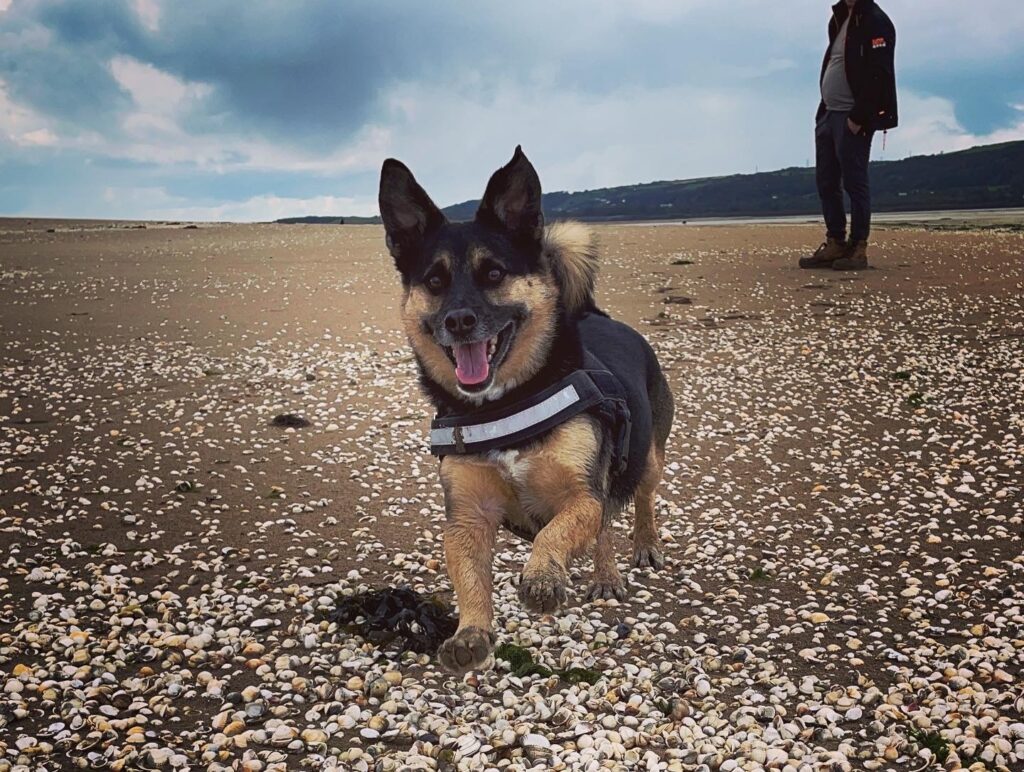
597,391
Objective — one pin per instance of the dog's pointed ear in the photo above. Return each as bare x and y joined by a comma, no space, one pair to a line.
512,201
407,212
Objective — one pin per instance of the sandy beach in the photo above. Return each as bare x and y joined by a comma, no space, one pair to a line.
843,515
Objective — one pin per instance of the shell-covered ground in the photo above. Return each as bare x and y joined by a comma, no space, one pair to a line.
842,513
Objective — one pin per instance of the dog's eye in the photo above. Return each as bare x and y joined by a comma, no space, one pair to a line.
435,283
495,275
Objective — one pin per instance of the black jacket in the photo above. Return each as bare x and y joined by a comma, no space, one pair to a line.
870,71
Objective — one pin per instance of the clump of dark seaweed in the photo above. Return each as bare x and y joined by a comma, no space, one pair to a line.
416,621
521,663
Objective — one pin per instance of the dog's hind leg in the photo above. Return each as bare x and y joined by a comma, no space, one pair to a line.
475,499
607,581
646,552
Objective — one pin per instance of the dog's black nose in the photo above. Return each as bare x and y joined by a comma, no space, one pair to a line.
460,320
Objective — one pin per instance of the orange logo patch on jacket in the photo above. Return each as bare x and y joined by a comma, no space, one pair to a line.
878,43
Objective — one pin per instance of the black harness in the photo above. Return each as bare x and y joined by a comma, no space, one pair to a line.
593,389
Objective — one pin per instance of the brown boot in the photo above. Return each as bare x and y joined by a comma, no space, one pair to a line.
855,259
825,255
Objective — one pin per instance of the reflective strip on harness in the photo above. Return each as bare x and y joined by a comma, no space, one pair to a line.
506,427
594,391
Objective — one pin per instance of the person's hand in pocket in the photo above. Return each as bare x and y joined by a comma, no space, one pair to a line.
854,127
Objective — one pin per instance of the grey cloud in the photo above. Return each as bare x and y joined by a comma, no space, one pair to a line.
601,91
312,74
54,59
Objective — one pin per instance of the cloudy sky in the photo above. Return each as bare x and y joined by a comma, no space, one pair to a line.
256,110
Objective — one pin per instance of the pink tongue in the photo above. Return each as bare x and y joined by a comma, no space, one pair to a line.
471,365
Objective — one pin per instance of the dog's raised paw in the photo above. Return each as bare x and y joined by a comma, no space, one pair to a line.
648,556
606,590
471,648
542,593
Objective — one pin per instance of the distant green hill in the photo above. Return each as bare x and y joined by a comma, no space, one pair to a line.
984,177
313,219
990,176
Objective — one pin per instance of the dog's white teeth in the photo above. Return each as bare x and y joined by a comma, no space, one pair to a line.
492,346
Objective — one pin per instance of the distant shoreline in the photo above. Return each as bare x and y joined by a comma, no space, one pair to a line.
1009,216
1016,215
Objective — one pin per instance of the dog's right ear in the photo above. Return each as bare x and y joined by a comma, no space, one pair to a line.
407,212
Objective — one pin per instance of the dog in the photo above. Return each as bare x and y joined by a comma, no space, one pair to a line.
498,311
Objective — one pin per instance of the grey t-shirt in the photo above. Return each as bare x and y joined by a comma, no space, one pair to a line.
835,89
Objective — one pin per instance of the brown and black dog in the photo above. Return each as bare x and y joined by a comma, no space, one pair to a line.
496,310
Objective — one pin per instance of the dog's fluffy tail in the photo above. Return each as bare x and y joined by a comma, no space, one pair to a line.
571,251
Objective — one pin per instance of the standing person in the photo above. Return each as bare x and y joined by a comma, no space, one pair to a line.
858,98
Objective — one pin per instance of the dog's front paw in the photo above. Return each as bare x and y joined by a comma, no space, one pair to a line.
543,591
469,649
648,556
606,589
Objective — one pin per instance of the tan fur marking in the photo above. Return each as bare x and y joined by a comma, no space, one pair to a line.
532,291
571,251
559,469
557,486
645,527
530,347
567,536
605,568
477,498
443,258
417,304
477,255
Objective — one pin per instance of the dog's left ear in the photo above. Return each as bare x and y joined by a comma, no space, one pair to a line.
512,200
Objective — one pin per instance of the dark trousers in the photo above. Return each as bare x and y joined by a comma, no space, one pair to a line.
841,162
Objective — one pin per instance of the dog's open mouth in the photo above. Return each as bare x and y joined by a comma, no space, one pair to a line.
476,362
